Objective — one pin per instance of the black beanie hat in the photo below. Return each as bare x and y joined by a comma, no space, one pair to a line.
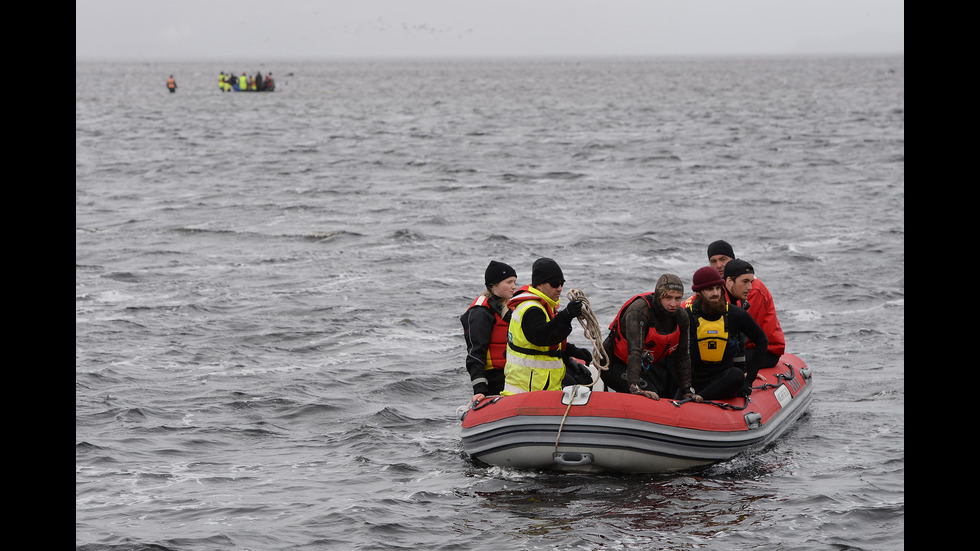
545,270
736,267
720,247
497,272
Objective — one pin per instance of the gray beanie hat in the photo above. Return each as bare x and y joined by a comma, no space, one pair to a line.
668,282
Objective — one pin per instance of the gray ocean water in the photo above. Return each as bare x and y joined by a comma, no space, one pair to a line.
267,289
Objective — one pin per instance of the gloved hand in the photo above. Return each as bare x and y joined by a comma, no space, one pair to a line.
634,389
583,354
692,397
574,308
576,373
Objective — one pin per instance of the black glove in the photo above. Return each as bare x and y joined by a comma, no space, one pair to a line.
582,354
576,373
574,308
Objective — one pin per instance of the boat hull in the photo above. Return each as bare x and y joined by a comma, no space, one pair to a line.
580,430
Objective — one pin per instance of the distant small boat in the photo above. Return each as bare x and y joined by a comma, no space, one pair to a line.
576,429
271,88
232,83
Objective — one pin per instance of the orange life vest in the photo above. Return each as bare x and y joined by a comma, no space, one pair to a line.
497,351
659,345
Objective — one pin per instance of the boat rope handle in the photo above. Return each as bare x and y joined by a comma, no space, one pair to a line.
788,376
594,334
554,454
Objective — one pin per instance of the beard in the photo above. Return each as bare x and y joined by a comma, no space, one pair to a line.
713,308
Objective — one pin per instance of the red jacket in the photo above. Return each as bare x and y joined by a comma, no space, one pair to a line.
763,311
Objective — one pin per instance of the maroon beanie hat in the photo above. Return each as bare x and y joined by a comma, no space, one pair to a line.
706,277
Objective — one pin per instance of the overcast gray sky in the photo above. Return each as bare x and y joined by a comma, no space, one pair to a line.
327,29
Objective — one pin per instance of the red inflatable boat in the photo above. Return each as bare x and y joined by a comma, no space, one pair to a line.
578,429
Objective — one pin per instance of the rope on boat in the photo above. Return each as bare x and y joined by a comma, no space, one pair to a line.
592,331
788,376
594,334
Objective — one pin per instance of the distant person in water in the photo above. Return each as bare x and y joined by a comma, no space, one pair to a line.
171,84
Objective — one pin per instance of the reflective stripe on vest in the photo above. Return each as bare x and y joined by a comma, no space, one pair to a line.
529,366
521,352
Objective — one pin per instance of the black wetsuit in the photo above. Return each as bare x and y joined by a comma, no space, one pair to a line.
721,380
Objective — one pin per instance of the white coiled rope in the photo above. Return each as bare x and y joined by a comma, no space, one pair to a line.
592,331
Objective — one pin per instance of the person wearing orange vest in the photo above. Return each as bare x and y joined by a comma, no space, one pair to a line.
537,350
647,345
171,84
485,325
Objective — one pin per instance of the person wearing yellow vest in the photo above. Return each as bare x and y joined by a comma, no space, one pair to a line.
536,339
647,345
485,325
714,340
243,83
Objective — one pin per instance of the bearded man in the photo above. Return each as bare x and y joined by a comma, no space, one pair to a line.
714,340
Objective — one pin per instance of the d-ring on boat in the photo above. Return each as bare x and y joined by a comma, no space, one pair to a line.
576,429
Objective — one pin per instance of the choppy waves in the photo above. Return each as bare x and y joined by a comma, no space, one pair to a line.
268,350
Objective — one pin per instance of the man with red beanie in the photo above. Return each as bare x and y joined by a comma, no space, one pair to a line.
714,340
